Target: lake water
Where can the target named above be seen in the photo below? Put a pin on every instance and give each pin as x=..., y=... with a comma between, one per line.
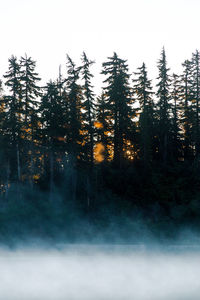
x=101, y=272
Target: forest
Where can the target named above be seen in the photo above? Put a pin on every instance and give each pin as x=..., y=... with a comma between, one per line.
x=79, y=165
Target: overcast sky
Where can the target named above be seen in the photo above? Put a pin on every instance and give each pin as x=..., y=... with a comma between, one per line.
x=136, y=29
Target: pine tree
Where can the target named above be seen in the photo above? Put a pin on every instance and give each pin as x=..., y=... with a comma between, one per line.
x=30, y=92
x=176, y=111
x=12, y=103
x=88, y=109
x=52, y=133
x=187, y=112
x=74, y=136
x=119, y=100
x=5, y=148
x=164, y=108
x=196, y=100
x=30, y=89
x=143, y=91
x=74, y=131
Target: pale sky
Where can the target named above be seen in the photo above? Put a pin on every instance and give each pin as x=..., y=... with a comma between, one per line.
x=136, y=29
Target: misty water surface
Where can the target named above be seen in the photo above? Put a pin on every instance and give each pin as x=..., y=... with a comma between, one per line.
x=100, y=273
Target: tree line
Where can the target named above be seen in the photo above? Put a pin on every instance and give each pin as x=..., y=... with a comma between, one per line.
x=62, y=132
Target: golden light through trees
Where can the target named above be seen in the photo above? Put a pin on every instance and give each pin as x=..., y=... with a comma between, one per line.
x=99, y=152
x=98, y=124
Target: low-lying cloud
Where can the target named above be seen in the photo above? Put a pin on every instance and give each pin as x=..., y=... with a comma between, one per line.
x=99, y=273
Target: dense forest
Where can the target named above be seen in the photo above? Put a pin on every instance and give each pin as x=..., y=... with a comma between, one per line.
x=77, y=164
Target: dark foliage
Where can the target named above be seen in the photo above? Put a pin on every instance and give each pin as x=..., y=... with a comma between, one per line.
x=74, y=165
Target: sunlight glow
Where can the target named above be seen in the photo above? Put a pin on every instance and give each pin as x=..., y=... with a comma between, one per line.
x=98, y=152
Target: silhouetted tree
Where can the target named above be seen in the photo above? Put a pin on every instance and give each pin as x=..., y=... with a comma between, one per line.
x=52, y=131
x=143, y=93
x=164, y=108
x=74, y=138
x=102, y=126
x=12, y=103
x=196, y=100
x=88, y=108
x=187, y=112
x=30, y=93
x=118, y=94
x=74, y=132
x=5, y=145
x=176, y=111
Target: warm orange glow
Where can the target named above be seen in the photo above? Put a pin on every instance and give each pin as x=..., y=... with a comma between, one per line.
x=36, y=176
x=98, y=152
x=2, y=107
x=107, y=133
x=61, y=139
x=83, y=132
x=98, y=124
x=28, y=130
x=129, y=150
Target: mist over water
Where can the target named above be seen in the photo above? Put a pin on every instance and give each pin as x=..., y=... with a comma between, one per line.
x=100, y=273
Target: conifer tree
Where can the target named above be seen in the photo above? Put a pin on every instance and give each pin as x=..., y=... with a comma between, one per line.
x=12, y=103
x=187, y=112
x=30, y=92
x=30, y=89
x=88, y=109
x=74, y=136
x=102, y=126
x=52, y=131
x=119, y=100
x=164, y=108
x=143, y=93
x=74, y=130
x=176, y=110
x=196, y=100
x=4, y=146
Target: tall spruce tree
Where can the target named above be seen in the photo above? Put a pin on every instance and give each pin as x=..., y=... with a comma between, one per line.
x=30, y=89
x=119, y=100
x=176, y=111
x=196, y=101
x=74, y=130
x=5, y=148
x=88, y=108
x=30, y=93
x=187, y=112
x=143, y=93
x=164, y=107
x=52, y=131
x=12, y=103
x=74, y=138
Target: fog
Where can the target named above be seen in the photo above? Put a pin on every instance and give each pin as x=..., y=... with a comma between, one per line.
x=100, y=273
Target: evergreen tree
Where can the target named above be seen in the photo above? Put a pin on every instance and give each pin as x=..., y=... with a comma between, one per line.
x=102, y=127
x=88, y=109
x=196, y=100
x=5, y=138
x=30, y=93
x=74, y=136
x=176, y=110
x=119, y=100
x=163, y=94
x=187, y=112
x=52, y=131
x=74, y=131
x=13, y=107
x=143, y=91
x=30, y=89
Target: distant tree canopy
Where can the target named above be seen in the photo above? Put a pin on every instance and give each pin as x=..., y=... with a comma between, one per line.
x=62, y=134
